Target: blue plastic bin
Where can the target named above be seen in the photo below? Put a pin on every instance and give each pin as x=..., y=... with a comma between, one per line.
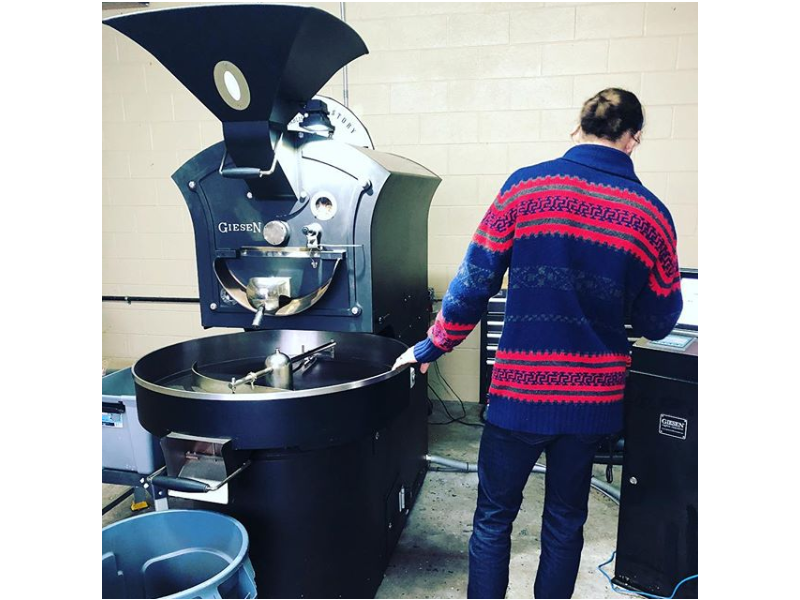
x=177, y=554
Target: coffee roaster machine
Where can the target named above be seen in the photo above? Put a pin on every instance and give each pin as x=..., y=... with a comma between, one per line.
x=317, y=248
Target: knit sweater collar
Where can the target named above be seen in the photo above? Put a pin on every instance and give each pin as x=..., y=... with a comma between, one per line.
x=603, y=158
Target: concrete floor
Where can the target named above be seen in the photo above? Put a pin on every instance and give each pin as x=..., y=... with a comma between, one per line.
x=431, y=559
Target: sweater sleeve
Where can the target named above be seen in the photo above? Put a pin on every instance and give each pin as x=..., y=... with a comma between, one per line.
x=657, y=308
x=479, y=277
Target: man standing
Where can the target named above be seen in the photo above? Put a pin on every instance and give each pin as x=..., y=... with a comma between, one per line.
x=588, y=248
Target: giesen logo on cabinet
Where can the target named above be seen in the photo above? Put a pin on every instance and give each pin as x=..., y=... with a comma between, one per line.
x=254, y=227
x=672, y=426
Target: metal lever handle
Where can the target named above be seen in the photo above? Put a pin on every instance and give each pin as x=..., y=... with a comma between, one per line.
x=249, y=172
x=181, y=484
x=185, y=484
x=242, y=172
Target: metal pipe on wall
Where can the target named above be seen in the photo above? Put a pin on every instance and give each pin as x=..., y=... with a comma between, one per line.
x=346, y=84
x=151, y=299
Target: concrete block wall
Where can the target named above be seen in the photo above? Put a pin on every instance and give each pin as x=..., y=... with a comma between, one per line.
x=471, y=90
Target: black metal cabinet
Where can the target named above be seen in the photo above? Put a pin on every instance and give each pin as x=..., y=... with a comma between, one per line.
x=491, y=328
x=657, y=537
x=657, y=541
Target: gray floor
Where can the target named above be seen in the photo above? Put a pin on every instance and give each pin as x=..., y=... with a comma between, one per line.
x=431, y=558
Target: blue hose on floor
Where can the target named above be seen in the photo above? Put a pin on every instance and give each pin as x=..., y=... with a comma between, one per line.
x=645, y=594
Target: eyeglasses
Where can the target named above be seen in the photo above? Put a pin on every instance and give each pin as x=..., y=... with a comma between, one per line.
x=638, y=139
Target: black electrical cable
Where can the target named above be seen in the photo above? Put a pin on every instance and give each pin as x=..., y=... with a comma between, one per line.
x=463, y=408
x=460, y=420
x=444, y=407
x=452, y=420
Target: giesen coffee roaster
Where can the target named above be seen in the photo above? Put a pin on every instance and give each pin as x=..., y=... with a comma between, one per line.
x=297, y=427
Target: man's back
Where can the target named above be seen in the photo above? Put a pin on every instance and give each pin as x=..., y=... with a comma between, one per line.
x=588, y=249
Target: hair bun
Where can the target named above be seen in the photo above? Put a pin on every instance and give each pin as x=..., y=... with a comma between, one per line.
x=610, y=113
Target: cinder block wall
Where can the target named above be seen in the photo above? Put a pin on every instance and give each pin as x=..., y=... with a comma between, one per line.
x=471, y=90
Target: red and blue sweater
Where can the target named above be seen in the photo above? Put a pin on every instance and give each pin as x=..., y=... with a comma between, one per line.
x=588, y=248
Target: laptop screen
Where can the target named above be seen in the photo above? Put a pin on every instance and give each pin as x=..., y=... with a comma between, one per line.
x=688, y=318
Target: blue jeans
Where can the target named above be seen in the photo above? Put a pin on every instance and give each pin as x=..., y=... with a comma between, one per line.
x=505, y=461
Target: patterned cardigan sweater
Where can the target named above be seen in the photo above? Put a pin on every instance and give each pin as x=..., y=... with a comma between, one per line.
x=588, y=248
